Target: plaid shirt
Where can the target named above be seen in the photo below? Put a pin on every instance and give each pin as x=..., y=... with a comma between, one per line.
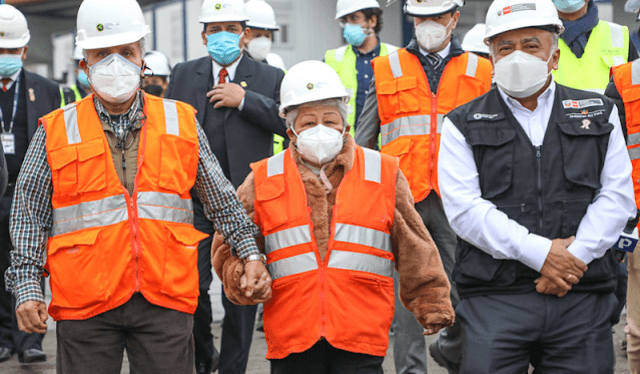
x=31, y=214
x=123, y=123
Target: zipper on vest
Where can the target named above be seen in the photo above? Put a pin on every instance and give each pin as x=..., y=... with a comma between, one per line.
x=433, y=137
x=539, y=178
x=124, y=170
x=323, y=299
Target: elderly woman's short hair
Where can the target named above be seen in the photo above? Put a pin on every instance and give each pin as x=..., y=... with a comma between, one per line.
x=342, y=107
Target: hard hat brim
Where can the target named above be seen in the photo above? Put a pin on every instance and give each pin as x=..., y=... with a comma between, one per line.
x=353, y=10
x=15, y=43
x=106, y=41
x=501, y=30
x=263, y=26
x=206, y=20
x=419, y=12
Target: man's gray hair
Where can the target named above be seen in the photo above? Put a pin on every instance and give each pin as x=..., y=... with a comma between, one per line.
x=342, y=107
x=141, y=42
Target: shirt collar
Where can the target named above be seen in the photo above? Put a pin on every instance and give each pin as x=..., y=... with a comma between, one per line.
x=544, y=100
x=231, y=69
x=130, y=114
x=13, y=78
x=374, y=52
x=444, y=53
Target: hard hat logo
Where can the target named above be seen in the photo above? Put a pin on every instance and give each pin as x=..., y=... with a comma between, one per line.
x=218, y=6
x=310, y=86
x=100, y=27
x=516, y=8
x=1, y=33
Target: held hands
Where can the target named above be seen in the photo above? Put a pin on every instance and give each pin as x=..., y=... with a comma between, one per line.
x=561, y=269
x=31, y=316
x=226, y=95
x=256, y=282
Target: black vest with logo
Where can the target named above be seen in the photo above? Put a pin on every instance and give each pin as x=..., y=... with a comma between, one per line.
x=546, y=189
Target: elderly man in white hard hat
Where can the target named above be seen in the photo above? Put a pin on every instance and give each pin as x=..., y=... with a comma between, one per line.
x=537, y=185
x=24, y=97
x=333, y=295
x=106, y=192
x=409, y=95
x=237, y=100
x=361, y=21
x=157, y=73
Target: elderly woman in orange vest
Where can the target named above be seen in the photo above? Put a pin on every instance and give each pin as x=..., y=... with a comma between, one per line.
x=335, y=220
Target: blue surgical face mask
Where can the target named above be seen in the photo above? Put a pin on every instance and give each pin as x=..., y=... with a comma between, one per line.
x=10, y=64
x=354, y=34
x=83, y=79
x=224, y=47
x=569, y=6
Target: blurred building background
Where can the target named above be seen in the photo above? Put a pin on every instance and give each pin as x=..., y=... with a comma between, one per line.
x=308, y=29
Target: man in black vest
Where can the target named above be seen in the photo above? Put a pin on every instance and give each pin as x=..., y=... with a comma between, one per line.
x=24, y=97
x=536, y=182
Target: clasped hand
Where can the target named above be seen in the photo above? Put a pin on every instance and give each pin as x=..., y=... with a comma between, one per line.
x=561, y=269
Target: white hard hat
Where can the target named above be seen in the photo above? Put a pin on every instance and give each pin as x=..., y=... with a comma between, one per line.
x=14, y=32
x=427, y=8
x=632, y=6
x=223, y=11
x=344, y=7
x=507, y=15
x=261, y=15
x=158, y=63
x=474, y=39
x=109, y=23
x=310, y=81
x=77, y=53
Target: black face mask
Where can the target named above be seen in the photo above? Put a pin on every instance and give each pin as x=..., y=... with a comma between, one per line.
x=153, y=89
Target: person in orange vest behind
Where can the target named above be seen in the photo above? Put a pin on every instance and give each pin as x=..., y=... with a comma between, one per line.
x=624, y=90
x=335, y=220
x=409, y=95
x=105, y=191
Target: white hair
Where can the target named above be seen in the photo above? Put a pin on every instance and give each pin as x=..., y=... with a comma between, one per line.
x=141, y=42
x=342, y=107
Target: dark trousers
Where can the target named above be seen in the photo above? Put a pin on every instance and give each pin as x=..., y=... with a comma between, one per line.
x=322, y=358
x=10, y=336
x=238, y=322
x=157, y=340
x=503, y=334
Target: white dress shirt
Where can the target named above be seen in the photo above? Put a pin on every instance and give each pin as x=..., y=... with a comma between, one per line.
x=13, y=79
x=231, y=74
x=480, y=223
x=444, y=53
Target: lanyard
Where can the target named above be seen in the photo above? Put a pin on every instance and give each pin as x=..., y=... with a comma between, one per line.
x=16, y=95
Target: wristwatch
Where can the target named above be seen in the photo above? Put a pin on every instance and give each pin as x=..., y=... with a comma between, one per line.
x=255, y=257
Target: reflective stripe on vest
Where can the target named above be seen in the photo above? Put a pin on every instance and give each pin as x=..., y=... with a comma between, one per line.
x=114, y=209
x=293, y=265
x=633, y=139
x=363, y=236
x=372, y=165
x=89, y=214
x=409, y=126
x=171, y=117
x=275, y=165
x=635, y=72
x=634, y=153
x=71, y=124
x=361, y=262
x=396, y=67
x=617, y=41
x=287, y=238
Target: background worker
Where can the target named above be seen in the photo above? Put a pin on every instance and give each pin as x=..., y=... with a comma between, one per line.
x=589, y=47
x=237, y=101
x=259, y=39
x=157, y=73
x=82, y=87
x=537, y=185
x=473, y=41
x=106, y=191
x=333, y=295
x=24, y=97
x=623, y=89
x=436, y=76
x=362, y=23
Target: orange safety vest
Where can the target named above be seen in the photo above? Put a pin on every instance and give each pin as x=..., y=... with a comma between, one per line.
x=411, y=116
x=348, y=298
x=105, y=244
x=627, y=81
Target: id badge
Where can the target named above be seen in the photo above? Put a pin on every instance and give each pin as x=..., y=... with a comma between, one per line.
x=8, y=143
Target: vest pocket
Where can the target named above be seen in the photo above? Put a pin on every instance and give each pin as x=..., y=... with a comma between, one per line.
x=399, y=94
x=179, y=169
x=475, y=267
x=493, y=150
x=180, y=275
x=64, y=170
x=268, y=197
x=629, y=96
x=78, y=269
x=92, y=166
x=584, y=147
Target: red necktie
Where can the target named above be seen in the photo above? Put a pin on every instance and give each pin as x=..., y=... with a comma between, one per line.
x=5, y=83
x=223, y=74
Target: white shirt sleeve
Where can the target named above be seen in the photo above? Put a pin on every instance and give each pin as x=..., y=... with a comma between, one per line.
x=614, y=203
x=475, y=219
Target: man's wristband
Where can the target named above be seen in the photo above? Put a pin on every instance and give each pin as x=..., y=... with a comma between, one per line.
x=256, y=257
